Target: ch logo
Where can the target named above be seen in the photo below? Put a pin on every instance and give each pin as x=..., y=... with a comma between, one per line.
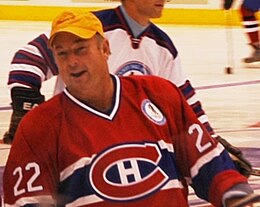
x=127, y=172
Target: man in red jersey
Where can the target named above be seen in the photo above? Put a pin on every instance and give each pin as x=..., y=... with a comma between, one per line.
x=138, y=47
x=110, y=141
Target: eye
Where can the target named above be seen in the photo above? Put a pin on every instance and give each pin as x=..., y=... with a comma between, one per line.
x=81, y=50
x=61, y=54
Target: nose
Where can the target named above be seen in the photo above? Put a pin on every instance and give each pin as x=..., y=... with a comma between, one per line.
x=73, y=60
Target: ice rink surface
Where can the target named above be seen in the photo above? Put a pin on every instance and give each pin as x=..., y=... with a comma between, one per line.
x=231, y=101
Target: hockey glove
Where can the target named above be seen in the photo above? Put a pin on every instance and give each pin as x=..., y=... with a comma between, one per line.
x=241, y=163
x=251, y=200
x=227, y=4
x=23, y=100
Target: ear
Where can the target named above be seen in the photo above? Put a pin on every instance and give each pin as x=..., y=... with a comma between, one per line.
x=106, y=48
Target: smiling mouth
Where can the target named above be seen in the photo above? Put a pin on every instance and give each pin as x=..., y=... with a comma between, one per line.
x=76, y=75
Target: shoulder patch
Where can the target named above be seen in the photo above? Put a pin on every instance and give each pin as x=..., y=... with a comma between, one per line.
x=152, y=112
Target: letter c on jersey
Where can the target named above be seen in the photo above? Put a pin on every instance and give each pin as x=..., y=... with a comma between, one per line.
x=111, y=170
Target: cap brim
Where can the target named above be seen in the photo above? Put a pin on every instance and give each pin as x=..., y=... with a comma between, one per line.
x=82, y=33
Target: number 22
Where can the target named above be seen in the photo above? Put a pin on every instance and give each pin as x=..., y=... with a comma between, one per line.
x=30, y=188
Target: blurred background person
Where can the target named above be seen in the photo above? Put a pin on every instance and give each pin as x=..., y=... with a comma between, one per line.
x=248, y=11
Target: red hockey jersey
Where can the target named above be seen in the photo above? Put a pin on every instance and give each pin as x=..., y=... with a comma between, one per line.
x=143, y=152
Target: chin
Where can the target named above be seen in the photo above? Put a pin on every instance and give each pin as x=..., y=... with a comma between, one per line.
x=156, y=16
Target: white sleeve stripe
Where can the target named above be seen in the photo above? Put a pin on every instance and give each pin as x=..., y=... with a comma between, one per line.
x=17, y=85
x=35, y=199
x=173, y=184
x=73, y=167
x=249, y=23
x=203, y=119
x=205, y=159
x=164, y=145
x=192, y=100
x=255, y=29
x=32, y=50
x=28, y=68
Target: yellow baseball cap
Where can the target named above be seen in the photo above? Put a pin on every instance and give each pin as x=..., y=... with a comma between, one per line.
x=82, y=24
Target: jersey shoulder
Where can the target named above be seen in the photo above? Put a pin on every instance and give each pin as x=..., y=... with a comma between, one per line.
x=154, y=85
x=110, y=18
x=161, y=38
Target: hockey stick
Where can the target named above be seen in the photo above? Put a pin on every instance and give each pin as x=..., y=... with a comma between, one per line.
x=229, y=41
x=242, y=164
x=250, y=170
x=239, y=157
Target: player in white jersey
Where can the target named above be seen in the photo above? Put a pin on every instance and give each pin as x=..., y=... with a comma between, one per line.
x=137, y=47
x=109, y=141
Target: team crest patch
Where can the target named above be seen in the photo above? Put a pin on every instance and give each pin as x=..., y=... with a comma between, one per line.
x=133, y=68
x=128, y=172
x=152, y=112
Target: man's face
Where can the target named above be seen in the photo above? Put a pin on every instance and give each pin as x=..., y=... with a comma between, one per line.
x=82, y=63
x=150, y=8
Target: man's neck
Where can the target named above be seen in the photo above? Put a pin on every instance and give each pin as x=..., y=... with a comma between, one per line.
x=135, y=27
x=135, y=16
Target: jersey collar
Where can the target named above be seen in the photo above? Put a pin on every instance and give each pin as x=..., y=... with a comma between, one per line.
x=114, y=108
